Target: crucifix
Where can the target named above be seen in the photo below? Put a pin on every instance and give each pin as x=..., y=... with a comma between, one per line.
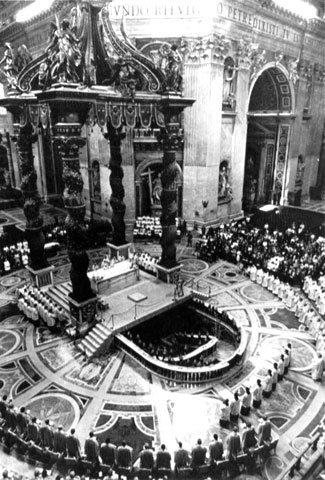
x=148, y=173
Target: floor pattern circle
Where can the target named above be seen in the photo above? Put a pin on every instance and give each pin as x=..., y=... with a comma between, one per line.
x=8, y=341
x=61, y=409
x=10, y=281
x=194, y=266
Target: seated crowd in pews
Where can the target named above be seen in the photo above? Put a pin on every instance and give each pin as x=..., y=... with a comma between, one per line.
x=41, y=440
x=13, y=257
x=290, y=255
x=149, y=228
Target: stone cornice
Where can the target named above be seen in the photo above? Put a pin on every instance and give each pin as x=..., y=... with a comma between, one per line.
x=313, y=25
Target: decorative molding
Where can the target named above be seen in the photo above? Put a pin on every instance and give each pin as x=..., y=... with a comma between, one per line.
x=212, y=48
x=292, y=66
x=249, y=57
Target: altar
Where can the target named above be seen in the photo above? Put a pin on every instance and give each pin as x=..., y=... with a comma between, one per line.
x=119, y=276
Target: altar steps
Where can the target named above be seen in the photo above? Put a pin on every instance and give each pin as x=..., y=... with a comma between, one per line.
x=59, y=293
x=97, y=341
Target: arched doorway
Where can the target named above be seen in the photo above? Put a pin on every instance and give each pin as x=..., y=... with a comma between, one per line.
x=148, y=188
x=268, y=133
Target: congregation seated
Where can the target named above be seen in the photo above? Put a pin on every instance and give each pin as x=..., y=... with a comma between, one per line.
x=149, y=228
x=291, y=255
x=13, y=256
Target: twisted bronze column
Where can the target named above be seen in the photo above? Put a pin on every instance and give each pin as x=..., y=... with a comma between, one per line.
x=77, y=237
x=115, y=137
x=32, y=201
x=171, y=140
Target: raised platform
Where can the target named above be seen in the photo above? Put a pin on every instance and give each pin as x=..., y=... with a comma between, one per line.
x=121, y=275
x=125, y=313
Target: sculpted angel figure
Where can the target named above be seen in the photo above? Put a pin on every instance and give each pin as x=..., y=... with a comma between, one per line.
x=8, y=66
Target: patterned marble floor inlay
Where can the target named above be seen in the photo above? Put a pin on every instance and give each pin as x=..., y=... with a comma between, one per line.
x=9, y=341
x=118, y=398
x=60, y=408
x=130, y=379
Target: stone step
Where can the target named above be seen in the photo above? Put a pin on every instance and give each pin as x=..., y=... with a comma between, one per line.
x=88, y=347
x=94, y=342
x=97, y=334
x=105, y=330
x=63, y=288
x=88, y=353
x=59, y=299
x=96, y=337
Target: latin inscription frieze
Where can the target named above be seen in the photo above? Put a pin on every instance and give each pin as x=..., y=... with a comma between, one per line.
x=257, y=23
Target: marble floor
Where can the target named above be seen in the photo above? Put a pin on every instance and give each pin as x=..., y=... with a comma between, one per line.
x=116, y=397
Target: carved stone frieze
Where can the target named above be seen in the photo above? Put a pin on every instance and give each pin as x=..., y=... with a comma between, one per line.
x=250, y=57
x=212, y=48
x=292, y=66
x=278, y=57
x=319, y=72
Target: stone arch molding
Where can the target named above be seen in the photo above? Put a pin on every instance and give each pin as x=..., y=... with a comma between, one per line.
x=284, y=71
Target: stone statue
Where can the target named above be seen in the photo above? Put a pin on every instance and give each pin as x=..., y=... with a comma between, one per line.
x=228, y=93
x=125, y=77
x=23, y=57
x=9, y=69
x=223, y=186
x=64, y=58
x=171, y=62
x=157, y=189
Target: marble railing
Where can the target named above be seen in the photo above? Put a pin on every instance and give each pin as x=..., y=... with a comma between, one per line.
x=183, y=374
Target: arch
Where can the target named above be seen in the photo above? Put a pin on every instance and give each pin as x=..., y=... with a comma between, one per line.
x=153, y=161
x=148, y=169
x=277, y=76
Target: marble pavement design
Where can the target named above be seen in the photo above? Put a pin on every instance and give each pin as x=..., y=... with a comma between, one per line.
x=115, y=396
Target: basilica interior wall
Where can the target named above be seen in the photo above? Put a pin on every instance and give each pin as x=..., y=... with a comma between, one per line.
x=212, y=134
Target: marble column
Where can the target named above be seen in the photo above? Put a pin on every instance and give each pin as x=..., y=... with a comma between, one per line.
x=203, y=80
x=69, y=142
x=115, y=137
x=32, y=201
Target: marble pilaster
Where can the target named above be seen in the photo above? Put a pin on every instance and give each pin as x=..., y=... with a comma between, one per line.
x=239, y=140
x=203, y=80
